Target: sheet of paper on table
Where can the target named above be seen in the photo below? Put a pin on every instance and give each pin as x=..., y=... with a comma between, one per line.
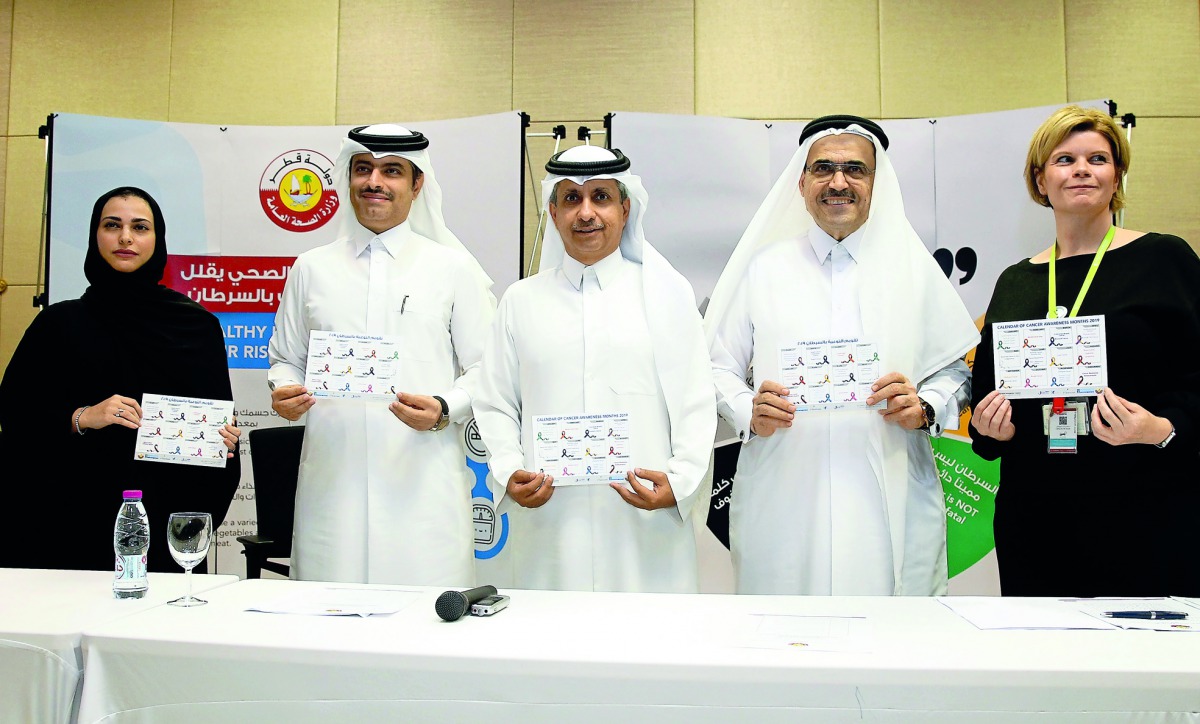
x=1192, y=602
x=333, y=601
x=1097, y=607
x=995, y=612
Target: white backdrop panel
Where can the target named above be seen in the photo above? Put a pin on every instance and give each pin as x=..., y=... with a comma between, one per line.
x=705, y=176
x=207, y=180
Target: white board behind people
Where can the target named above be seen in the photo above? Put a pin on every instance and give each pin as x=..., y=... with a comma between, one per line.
x=241, y=203
x=961, y=177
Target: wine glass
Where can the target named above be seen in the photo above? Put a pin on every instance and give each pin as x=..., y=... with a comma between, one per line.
x=189, y=535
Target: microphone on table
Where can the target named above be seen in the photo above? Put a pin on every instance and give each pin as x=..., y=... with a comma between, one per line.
x=453, y=605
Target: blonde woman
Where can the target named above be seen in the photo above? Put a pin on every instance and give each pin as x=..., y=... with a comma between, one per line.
x=1117, y=517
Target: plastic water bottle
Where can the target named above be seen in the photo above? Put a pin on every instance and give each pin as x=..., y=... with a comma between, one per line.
x=131, y=541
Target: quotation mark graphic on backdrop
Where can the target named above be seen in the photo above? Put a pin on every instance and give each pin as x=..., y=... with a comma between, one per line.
x=965, y=260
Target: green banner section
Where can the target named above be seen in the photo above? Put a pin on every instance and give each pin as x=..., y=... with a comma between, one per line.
x=969, y=484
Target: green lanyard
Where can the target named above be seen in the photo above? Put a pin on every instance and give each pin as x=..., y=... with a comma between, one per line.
x=1087, y=281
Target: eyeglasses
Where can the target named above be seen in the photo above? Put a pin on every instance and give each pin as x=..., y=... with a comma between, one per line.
x=825, y=170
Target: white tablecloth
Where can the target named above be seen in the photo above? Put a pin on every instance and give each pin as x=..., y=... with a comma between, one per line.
x=42, y=617
x=576, y=657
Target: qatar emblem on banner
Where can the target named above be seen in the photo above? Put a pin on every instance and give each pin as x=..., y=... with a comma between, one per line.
x=296, y=190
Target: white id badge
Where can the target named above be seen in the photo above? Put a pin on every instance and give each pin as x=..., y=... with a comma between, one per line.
x=1083, y=417
x=1063, y=437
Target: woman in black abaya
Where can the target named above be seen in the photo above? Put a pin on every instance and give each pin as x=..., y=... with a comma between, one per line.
x=70, y=400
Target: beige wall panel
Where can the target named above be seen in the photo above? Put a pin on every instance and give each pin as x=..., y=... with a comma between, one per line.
x=254, y=63
x=1144, y=54
x=427, y=60
x=1164, y=180
x=69, y=56
x=6, y=23
x=3, y=179
x=756, y=60
x=16, y=312
x=575, y=61
x=947, y=57
x=25, y=179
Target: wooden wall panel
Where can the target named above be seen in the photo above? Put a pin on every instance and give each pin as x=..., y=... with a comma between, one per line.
x=6, y=24
x=73, y=57
x=253, y=63
x=787, y=59
x=573, y=61
x=1145, y=54
x=23, y=190
x=429, y=60
x=1164, y=181
x=3, y=186
x=947, y=57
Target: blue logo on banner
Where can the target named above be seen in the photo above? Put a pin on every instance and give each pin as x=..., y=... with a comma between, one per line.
x=246, y=338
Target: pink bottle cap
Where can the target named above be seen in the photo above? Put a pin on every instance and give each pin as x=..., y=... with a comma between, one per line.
x=132, y=495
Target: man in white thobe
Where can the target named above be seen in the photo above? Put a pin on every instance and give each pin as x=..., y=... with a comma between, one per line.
x=845, y=502
x=606, y=326
x=384, y=492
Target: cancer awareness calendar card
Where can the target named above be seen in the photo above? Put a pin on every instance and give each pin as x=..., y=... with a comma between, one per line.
x=1050, y=357
x=582, y=449
x=352, y=366
x=833, y=374
x=183, y=430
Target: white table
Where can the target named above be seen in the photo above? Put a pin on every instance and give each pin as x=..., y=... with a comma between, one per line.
x=579, y=658
x=42, y=617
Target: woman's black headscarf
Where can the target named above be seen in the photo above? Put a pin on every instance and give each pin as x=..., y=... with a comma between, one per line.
x=100, y=273
x=157, y=317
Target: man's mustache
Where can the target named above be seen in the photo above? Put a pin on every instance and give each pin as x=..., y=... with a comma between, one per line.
x=839, y=194
x=377, y=190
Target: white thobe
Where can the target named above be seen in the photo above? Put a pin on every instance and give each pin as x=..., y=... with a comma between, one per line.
x=575, y=340
x=379, y=502
x=808, y=514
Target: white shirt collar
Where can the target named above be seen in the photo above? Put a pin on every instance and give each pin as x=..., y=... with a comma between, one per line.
x=822, y=243
x=392, y=238
x=606, y=269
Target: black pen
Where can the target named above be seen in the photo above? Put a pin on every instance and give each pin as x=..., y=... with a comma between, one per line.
x=1148, y=615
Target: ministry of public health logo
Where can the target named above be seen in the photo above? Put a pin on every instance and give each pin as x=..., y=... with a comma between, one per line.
x=296, y=190
x=473, y=442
